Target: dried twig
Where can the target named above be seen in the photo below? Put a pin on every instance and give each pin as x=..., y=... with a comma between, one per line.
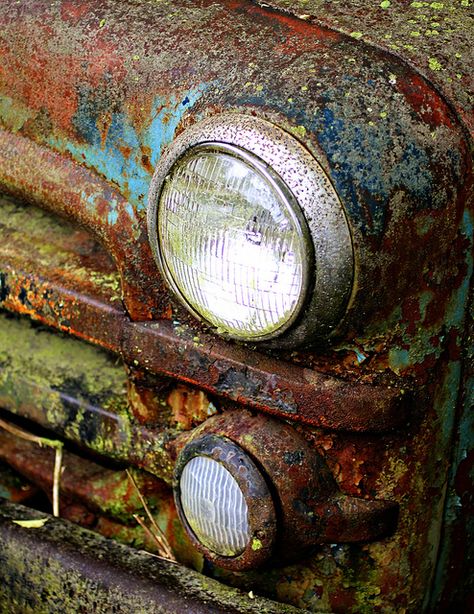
x=155, y=533
x=157, y=556
x=58, y=460
x=42, y=441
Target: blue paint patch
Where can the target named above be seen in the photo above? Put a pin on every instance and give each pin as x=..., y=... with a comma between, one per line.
x=118, y=155
x=467, y=226
x=165, y=120
x=90, y=200
x=457, y=305
x=356, y=154
x=112, y=216
x=369, y=163
x=446, y=409
x=399, y=359
x=129, y=209
x=360, y=356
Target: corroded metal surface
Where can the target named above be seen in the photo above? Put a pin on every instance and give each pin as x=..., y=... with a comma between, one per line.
x=453, y=585
x=436, y=37
x=77, y=391
x=87, y=109
x=394, y=467
x=105, y=491
x=72, y=190
x=384, y=135
x=96, y=497
x=57, y=273
x=13, y=487
x=262, y=382
x=60, y=276
x=312, y=510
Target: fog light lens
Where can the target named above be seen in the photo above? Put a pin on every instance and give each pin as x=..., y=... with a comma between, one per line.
x=214, y=506
x=233, y=241
x=224, y=502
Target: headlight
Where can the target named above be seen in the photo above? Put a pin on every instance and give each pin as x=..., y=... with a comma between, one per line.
x=233, y=241
x=224, y=502
x=214, y=506
x=247, y=229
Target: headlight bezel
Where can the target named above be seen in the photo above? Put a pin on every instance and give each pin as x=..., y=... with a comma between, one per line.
x=262, y=518
x=330, y=283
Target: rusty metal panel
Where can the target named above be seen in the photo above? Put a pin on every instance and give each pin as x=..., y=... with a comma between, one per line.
x=84, y=119
x=436, y=37
x=102, y=499
x=56, y=273
x=358, y=109
x=453, y=585
x=59, y=275
x=79, y=392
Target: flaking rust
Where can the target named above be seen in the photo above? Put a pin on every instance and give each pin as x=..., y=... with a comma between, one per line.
x=85, y=113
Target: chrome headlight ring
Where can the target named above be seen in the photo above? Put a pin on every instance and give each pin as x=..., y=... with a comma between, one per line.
x=313, y=205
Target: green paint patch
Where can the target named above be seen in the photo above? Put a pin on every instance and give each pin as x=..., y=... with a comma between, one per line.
x=256, y=544
x=357, y=35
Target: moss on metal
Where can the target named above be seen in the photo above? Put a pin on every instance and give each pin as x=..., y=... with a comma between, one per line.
x=436, y=37
x=48, y=239
x=59, y=567
x=77, y=390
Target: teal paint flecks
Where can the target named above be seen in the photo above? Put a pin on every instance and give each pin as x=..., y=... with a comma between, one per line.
x=360, y=356
x=457, y=305
x=105, y=155
x=399, y=359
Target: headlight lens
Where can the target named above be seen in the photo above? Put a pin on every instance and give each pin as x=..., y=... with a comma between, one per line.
x=224, y=502
x=214, y=506
x=233, y=241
